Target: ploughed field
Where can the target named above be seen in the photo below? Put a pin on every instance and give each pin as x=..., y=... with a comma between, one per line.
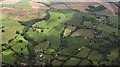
x=61, y=35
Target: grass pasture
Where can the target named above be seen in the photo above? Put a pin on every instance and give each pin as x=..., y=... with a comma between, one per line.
x=85, y=62
x=84, y=52
x=22, y=5
x=72, y=61
x=19, y=45
x=10, y=22
x=113, y=55
x=8, y=55
x=51, y=22
x=8, y=5
x=104, y=12
x=42, y=46
x=72, y=18
x=71, y=45
x=83, y=32
x=56, y=62
x=52, y=28
x=95, y=57
x=37, y=36
x=107, y=28
x=54, y=38
x=114, y=19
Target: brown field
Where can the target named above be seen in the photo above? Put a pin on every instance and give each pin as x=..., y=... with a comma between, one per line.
x=110, y=6
x=81, y=6
x=68, y=30
x=60, y=6
x=25, y=20
x=22, y=11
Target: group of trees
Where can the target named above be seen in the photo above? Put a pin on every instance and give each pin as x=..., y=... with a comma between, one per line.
x=92, y=8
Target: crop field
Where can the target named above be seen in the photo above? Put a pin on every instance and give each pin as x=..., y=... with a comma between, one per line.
x=60, y=33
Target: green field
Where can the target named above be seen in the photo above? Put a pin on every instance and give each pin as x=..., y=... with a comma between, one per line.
x=95, y=57
x=11, y=25
x=83, y=32
x=70, y=48
x=83, y=53
x=22, y=5
x=61, y=37
x=72, y=61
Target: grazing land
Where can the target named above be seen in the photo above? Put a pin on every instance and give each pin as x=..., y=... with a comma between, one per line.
x=60, y=33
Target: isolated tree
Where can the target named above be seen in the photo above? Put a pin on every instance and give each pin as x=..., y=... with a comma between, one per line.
x=17, y=32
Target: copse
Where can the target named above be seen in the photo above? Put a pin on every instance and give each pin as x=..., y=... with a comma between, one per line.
x=91, y=6
x=99, y=8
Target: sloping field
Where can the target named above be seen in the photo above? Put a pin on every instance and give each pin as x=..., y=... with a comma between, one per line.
x=22, y=11
x=12, y=3
x=112, y=7
x=82, y=32
x=81, y=6
x=60, y=6
x=9, y=21
x=38, y=5
x=68, y=30
x=9, y=2
x=25, y=20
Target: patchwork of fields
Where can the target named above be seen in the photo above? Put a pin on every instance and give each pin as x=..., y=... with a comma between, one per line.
x=50, y=33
